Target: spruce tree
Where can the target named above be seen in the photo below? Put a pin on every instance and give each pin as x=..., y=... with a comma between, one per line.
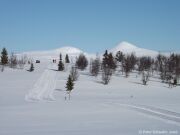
x=4, y=56
x=111, y=61
x=67, y=59
x=69, y=85
x=60, y=65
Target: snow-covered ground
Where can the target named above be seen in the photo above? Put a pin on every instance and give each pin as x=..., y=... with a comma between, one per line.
x=31, y=105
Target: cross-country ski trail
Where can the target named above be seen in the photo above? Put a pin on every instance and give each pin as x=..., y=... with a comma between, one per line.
x=44, y=87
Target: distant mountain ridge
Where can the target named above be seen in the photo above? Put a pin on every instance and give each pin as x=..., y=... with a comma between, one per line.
x=54, y=54
x=73, y=52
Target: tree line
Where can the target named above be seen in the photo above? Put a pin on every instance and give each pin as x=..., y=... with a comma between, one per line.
x=12, y=60
x=166, y=67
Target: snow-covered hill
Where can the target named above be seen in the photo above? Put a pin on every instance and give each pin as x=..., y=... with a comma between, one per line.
x=73, y=52
x=54, y=54
x=128, y=48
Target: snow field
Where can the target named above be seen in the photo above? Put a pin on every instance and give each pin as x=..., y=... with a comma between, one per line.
x=124, y=106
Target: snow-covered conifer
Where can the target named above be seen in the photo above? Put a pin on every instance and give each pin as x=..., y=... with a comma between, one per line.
x=69, y=85
x=67, y=59
x=4, y=56
x=60, y=65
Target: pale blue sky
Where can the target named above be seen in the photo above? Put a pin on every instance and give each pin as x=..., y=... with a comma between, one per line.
x=91, y=25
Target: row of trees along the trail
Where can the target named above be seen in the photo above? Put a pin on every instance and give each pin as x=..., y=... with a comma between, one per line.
x=61, y=64
x=73, y=76
x=168, y=67
x=81, y=62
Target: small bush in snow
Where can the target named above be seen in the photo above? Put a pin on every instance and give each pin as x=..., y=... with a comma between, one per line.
x=145, y=77
x=95, y=66
x=74, y=73
x=106, y=75
x=13, y=61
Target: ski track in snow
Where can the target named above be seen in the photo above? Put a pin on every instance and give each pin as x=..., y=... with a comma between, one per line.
x=44, y=87
x=153, y=111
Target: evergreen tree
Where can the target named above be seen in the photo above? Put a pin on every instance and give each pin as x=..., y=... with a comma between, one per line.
x=69, y=85
x=81, y=62
x=67, y=59
x=60, y=65
x=4, y=56
x=31, y=67
x=111, y=61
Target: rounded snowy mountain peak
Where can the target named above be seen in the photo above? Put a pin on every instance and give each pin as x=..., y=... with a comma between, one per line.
x=69, y=50
x=128, y=48
x=124, y=46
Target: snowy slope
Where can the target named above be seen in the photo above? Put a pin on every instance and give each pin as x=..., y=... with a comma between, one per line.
x=128, y=48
